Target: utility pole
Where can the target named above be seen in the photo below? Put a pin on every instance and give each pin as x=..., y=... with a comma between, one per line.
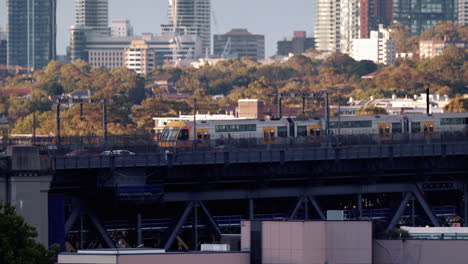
x=34, y=123
x=58, y=124
x=195, y=123
x=104, y=121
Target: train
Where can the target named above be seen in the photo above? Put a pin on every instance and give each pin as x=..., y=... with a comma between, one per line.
x=182, y=133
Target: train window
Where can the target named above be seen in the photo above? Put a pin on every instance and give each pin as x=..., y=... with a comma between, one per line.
x=282, y=131
x=172, y=133
x=302, y=131
x=453, y=121
x=236, y=128
x=415, y=127
x=351, y=124
x=183, y=135
x=396, y=128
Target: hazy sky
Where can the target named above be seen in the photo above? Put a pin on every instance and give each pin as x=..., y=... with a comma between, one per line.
x=276, y=19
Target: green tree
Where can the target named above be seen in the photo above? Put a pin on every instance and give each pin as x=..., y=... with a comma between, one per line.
x=370, y=110
x=17, y=240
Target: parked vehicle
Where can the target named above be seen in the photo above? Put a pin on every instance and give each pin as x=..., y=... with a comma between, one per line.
x=82, y=152
x=118, y=152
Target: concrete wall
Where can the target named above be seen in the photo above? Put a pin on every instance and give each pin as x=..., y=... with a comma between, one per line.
x=171, y=258
x=29, y=194
x=313, y=242
x=420, y=251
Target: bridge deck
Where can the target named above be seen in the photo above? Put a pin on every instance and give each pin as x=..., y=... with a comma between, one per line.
x=277, y=155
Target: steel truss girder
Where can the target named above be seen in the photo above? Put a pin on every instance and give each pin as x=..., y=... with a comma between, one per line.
x=192, y=205
x=304, y=202
x=80, y=209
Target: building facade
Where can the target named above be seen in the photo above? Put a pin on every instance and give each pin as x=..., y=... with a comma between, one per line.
x=349, y=24
x=373, y=13
x=121, y=28
x=190, y=17
x=327, y=28
x=462, y=12
x=93, y=15
x=115, y=52
x=3, y=47
x=298, y=44
x=421, y=15
x=242, y=42
x=139, y=57
x=433, y=48
x=31, y=32
x=379, y=48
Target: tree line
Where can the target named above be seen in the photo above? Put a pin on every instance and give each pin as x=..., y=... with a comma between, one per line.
x=132, y=103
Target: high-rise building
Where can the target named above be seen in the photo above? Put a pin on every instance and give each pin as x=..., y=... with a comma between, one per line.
x=298, y=44
x=121, y=28
x=462, y=12
x=349, y=24
x=327, y=28
x=190, y=17
x=421, y=15
x=378, y=48
x=3, y=47
x=92, y=14
x=31, y=32
x=241, y=42
x=373, y=13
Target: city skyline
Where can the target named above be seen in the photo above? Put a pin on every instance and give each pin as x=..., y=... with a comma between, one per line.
x=274, y=19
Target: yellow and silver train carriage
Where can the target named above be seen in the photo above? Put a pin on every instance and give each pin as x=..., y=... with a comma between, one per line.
x=180, y=134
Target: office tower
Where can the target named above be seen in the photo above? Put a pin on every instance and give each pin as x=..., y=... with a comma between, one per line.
x=421, y=15
x=298, y=44
x=190, y=17
x=3, y=47
x=327, y=28
x=349, y=24
x=240, y=42
x=31, y=32
x=378, y=48
x=121, y=28
x=93, y=15
x=462, y=12
x=373, y=13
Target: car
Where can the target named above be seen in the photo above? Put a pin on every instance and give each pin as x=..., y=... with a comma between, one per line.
x=118, y=152
x=82, y=152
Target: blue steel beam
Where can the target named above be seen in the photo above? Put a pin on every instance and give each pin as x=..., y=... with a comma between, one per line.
x=399, y=212
x=211, y=221
x=296, y=208
x=179, y=225
x=317, y=207
x=286, y=192
x=425, y=206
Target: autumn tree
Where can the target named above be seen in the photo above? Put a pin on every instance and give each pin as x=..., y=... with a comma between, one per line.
x=370, y=110
x=457, y=105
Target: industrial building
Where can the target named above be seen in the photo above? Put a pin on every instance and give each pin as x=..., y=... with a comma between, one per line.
x=241, y=43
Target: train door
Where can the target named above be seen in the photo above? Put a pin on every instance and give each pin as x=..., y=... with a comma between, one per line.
x=203, y=137
x=269, y=135
x=384, y=131
x=315, y=132
x=428, y=129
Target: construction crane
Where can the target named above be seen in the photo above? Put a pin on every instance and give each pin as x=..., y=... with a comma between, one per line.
x=227, y=49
